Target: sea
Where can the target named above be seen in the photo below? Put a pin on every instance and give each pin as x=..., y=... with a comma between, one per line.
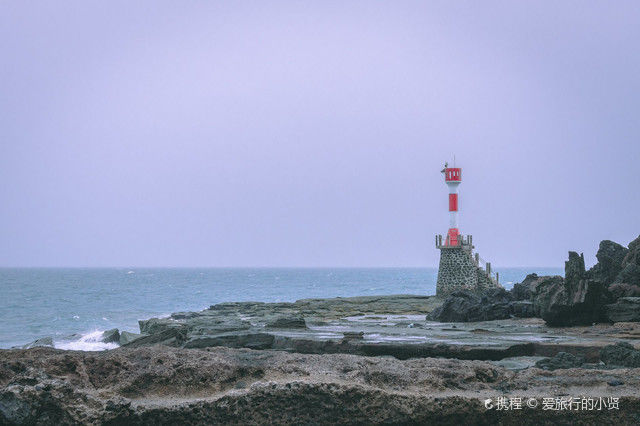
x=74, y=306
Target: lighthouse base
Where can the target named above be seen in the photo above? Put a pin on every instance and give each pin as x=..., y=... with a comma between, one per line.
x=458, y=270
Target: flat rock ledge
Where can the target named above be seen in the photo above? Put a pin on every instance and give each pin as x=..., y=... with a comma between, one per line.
x=395, y=326
x=164, y=385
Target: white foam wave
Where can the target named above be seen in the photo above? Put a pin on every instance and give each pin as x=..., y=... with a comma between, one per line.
x=87, y=342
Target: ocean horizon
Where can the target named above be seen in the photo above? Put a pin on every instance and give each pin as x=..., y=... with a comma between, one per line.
x=74, y=306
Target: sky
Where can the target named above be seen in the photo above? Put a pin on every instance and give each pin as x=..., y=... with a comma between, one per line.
x=292, y=133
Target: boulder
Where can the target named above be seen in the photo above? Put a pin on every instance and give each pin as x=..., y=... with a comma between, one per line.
x=468, y=306
x=42, y=342
x=561, y=360
x=625, y=309
x=292, y=321
x=127, y=337
x=621, y=354
x=110, y=336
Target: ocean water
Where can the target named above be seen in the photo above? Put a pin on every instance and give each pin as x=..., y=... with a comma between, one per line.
x=74, y=305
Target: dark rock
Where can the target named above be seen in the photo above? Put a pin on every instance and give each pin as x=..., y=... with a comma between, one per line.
x=615, y=382
x=455, y=308
x=541, y=292
x=526, y=289
x=576, y=300
x=232, y=340
x=574, y=303
x=574, y=267
x=467, y=306
x=288, y=322
x=110, y=336
x=610, y=257
x=619, y=290
x=174, y=336
x=522, y=309
x=621, y=354
x=630, y=274
x=353, y=335
x=561, y=360
x=625, y=309
x=127, y=337
x=42, y=342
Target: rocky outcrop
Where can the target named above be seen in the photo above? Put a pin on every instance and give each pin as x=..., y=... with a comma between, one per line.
x=162, y=385
x=576, y=300
x=581, y=296
x=624, y=309
x=621, y=354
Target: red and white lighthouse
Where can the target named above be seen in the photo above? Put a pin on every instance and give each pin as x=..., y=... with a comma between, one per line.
x=453, y=177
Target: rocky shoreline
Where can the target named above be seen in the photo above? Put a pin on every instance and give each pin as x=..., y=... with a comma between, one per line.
x=386, y=359
x=164, y=385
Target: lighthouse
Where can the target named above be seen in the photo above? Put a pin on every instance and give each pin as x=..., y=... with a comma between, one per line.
x=459, y=268
x=453, y=178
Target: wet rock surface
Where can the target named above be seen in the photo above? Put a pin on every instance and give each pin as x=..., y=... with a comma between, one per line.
x=394, y=326
x=164, y=385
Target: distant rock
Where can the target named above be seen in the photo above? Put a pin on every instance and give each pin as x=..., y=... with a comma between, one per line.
x=232, y=340
x=110, y=336
x=561, y=360
x=291, y=321
x=526, y=289
x=353, y=335
x=173, y=336
x=624, y=309
x=42, y=342
x=127, y=337
x=621, y=354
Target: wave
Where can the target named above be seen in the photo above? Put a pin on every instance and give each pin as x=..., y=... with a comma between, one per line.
x=87, y=342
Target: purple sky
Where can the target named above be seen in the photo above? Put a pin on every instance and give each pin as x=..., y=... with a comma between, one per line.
x=312, y=134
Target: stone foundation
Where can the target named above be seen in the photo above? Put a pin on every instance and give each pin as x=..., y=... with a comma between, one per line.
x=458, y=270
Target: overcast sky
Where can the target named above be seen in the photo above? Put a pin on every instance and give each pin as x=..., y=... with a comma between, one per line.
x=153, y=133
